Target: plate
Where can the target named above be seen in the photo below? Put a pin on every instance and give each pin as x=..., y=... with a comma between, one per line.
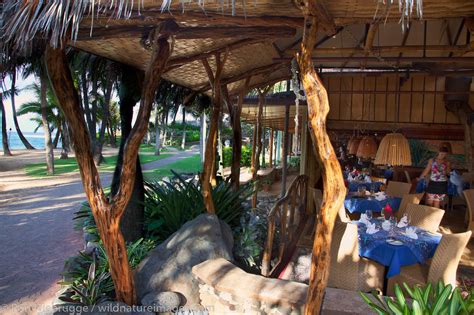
x=394, y=242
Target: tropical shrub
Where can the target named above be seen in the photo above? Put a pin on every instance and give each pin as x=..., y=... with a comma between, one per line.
x=249, y=239
x=245, y=160
x=169, y=205
x=294, y=161
x=420, y=152
x=440, y=299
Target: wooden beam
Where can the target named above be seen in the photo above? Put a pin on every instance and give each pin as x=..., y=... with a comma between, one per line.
x=470, y=28
x=153, y=16
x=375, y=59
x=369, y=40
x=386, y=49
x=187, y=32
x=180, y=61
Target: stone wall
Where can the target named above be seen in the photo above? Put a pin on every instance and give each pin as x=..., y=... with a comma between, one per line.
x=226, y=289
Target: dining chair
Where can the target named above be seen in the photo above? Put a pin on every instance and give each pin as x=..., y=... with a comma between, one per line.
x=406, y=200
x=469, y=195
x=443, y=266
x=425, y=217
x=398, y=189
x=348, y=270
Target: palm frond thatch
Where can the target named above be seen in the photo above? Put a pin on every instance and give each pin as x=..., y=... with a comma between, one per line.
x=57, y=20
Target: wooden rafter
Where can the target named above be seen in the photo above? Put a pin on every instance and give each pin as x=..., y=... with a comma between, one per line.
x=467, y=60
x=369, y=39
x=404, y=40
x=188, y=32
x=470, y=28
x=318, y=7
x=387, y=49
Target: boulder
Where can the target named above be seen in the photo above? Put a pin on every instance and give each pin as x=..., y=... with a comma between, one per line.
x=163, y=301
x=168, y=266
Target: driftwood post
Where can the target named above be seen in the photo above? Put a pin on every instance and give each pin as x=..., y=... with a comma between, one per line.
x=318, y=108
x=107, y=211
x=210, y=154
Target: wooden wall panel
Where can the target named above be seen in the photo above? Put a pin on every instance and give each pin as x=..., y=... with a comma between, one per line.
x=440, y=111
x=381, y=85
x=417, y=102
x=429, y=100
x=405, y=101
x=346, y=98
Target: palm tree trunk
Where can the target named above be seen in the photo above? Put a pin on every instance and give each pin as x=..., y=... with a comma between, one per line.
x=157, y=132
x=56, y=137
x=98, y=157
x=25, y=141
x=48, y=146
x=6, y=149
x=66, y=143
x=183, y=141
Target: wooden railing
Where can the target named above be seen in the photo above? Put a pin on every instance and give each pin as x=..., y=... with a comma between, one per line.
x=289, y=216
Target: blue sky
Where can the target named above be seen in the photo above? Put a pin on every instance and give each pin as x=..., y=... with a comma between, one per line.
x=23, y=96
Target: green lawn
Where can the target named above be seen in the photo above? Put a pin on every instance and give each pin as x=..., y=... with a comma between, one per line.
x=191, y=164
x=70, y=165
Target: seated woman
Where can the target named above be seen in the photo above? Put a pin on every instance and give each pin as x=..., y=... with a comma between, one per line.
x=438, y=168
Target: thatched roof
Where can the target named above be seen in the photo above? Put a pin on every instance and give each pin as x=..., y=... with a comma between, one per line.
x=261, y=36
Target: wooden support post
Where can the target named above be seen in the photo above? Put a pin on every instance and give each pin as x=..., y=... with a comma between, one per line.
x=270, y=149
x=203, y=136
x=263, y=148
x=284, y=158
x=107, y=211
x=334, y=190
x=210, y=154
x=304, y=145
x=278, y=148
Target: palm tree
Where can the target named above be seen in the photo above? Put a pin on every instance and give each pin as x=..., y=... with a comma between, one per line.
x=6, y=149
x=13, y=92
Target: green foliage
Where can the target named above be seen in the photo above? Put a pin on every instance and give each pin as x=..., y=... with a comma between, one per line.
x=94, y=289
x=249, y=239
x=294, y=161
x=429, y=299
x=169, y=205
x=245, y=160
x=420, y=152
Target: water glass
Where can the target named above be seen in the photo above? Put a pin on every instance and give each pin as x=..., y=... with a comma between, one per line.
x=407, y=217
x=369, y=215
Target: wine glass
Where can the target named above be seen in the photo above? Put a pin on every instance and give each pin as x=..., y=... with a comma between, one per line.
x=382, y=213
x=407, y=216
x=368, y=213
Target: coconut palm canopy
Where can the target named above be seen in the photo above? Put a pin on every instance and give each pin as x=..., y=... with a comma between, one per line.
x=261, y=36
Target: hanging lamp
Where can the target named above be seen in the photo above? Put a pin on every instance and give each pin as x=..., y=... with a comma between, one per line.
x=393, y=150
x=367, y=148
x=353, y=146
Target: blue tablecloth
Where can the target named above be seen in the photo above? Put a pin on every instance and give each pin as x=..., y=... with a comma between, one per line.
x=452, y=189
x=354, y=186
x=360, y=205
x=375, y=247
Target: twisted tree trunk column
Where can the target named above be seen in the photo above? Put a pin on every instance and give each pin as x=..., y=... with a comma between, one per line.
x=108, y=211
x=334, y=190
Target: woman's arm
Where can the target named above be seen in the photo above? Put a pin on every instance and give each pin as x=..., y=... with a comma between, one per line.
x=426, y=170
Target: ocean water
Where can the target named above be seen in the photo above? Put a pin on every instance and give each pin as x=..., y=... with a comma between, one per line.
x=35, y=138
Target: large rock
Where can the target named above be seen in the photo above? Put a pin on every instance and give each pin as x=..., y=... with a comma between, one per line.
x=168, y=266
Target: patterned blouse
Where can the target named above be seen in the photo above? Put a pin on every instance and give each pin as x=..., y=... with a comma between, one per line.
x=438, y=171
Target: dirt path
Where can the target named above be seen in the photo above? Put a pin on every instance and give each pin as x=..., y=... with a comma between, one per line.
x=36, y=232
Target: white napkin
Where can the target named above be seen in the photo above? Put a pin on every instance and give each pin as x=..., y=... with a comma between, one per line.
x=371, y=228
x=368, y=179
x=403, y=222
x=411, y=232
x=380, y=196
x=363, y=219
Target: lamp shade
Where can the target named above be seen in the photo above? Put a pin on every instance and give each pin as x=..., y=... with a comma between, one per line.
x=394, y=150
x=367, y=148
x=353, y=146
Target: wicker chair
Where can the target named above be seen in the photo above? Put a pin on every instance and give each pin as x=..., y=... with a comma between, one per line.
x=469, y=195
x=398, y=189
x=425, y=217
x=378, y=179
x=348, y=270
x=443, y=266
x=406, y=200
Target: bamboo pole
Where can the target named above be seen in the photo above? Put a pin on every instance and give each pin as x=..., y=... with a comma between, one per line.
x=108, y=211
x=270, y=150
x=334, y=191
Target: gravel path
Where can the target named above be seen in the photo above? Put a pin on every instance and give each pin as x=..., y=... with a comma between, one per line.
x=36, y=234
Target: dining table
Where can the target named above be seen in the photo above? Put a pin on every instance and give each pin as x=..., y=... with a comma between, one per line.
x=360, y=204
x=356, y=185
x=394, y=248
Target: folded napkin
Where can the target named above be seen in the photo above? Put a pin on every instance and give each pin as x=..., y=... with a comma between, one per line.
x=371, y=229
x=403, y=222
x=363, y=219
x=368, y=179
x=380, y=196
x=411, y=232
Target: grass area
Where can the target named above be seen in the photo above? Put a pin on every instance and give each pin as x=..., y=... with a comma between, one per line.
x=191, y=164
x=70, y=165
